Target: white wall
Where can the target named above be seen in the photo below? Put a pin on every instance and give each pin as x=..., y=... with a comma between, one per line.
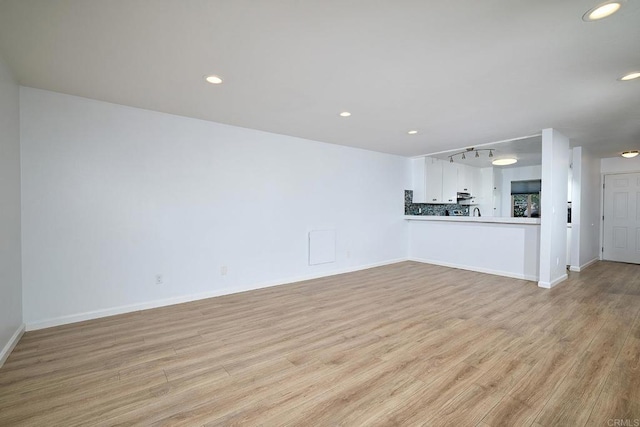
x=506, y=176
x=553, y=229
x=619, y=165
x=590, y=198
x=575, y=196
x=10, y=258
x=114, y=195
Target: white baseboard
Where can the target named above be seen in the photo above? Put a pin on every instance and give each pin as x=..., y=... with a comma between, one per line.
x=477, y=269
x=549, y=285
x=8, y=348
x=96, y=314
x=583, y=266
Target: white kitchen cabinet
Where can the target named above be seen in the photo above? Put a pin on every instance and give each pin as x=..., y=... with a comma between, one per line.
x=463, y=178
x=469, y=179
x=418, y=180
x=475, y=181
x=433, y=180
x=449, y=182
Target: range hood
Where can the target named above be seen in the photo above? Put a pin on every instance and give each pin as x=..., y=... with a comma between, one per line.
x=465, y=199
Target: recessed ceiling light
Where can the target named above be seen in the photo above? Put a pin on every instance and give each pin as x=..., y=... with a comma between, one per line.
x=602, y=11
x=213, y=79
x=412, y=132
x=630, y=76
x=630, y=154
x=345, y=114
x=504, y=162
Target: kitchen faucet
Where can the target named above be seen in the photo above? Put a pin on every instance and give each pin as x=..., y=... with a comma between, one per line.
x=474, y=211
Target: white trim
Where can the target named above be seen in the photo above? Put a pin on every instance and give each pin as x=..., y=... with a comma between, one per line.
x=549, y=285
x=476, y=269
x=13, y=341
x=96, y=314
x=583, y=266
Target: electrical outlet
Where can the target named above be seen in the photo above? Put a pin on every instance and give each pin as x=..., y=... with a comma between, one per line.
x=159, y=279
x=223, y=270
x=348, y=254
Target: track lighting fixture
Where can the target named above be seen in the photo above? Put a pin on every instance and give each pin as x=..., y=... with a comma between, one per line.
x=463, y=155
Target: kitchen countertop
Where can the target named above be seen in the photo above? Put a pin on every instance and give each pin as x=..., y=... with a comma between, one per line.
x=480, y=219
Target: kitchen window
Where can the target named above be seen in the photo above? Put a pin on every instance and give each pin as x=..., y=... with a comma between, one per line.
x=525, y=198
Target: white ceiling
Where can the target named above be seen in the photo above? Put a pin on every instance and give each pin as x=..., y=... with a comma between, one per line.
x=463, y=72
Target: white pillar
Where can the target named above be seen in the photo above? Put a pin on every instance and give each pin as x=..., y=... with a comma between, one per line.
x=576, y=207
x=553, y=211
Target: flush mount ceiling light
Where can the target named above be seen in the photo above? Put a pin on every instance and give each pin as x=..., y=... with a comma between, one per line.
x=504, y=162
x=345, y=114
x=602, y=10
x=213, y=79
x=630, y=76
x=630, y=154
x=412, y=132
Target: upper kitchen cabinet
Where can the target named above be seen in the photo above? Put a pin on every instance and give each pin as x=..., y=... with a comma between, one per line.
x=418, y=180
x=441, y=180
x=449, y=182
x=475, y=181
x=468, y=177
x=463, y=179
x=433, y=180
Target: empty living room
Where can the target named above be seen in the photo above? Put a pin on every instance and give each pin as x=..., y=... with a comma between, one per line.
x=319, y=213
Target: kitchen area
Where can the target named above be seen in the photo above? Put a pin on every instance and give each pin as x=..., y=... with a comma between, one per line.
x=478, y=208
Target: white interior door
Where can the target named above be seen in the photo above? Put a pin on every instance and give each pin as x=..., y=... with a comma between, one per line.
x=622, y=218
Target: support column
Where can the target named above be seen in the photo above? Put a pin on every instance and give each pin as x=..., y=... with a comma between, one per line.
x=553, y=212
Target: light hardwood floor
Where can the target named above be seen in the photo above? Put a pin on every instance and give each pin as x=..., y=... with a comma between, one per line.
x=405, y=344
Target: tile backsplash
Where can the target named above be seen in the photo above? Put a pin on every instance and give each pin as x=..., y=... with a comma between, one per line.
x=411, y=208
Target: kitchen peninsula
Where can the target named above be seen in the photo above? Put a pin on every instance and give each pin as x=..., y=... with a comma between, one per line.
x=496, y=245
x=443, y=230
